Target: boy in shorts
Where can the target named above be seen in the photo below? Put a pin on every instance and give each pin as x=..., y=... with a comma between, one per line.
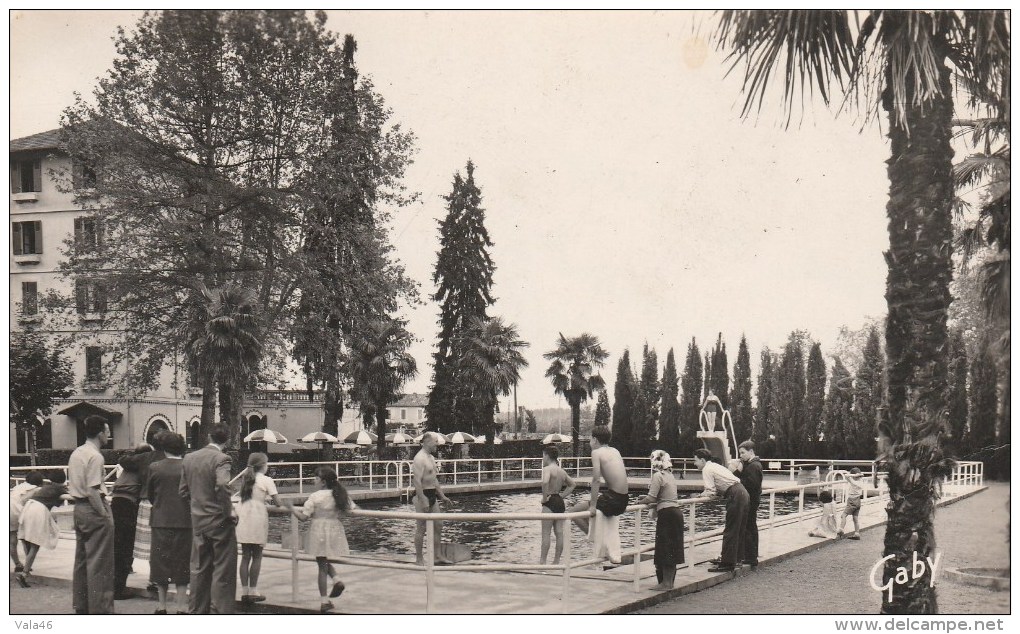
x=854, y=489
x=556, y=485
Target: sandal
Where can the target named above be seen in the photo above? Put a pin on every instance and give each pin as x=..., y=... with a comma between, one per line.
x=23, y=580
x=325, y=607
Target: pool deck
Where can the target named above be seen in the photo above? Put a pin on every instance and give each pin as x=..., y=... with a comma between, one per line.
x=592, y=590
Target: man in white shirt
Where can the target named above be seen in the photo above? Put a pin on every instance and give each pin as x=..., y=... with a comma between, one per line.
x=720, y=482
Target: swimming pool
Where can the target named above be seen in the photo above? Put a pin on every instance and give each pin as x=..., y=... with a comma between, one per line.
x=508, y=540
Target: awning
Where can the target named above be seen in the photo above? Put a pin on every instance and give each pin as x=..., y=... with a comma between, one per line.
x=83, y=409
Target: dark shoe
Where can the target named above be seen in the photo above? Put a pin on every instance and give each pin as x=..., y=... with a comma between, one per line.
x=326, y=607
x=22, y=580
x=752, y=564
x=19, y=568
x=256, y=597
x=160, y=612
x=338, y=589
x=721, y=568
x=716, y=561
x=854, y=536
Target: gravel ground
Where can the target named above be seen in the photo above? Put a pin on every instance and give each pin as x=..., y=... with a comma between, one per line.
x=834, y=579
x=971, y=533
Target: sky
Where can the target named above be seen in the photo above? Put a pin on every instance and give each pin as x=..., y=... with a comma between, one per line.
x=624, y=194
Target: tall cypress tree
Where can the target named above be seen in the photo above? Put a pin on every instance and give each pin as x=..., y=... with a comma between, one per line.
x=957, y=399
x=463, y=279
x=603, y=413
x=838, y=410
x=868, y=395
x=721, y=373
x=690, y=399
x=763, y=421
x=669, y=410
x=646, y=409
x=741, y=408
x=814, y=399
x=983, y=376
x=789, y=398
x=624, y=393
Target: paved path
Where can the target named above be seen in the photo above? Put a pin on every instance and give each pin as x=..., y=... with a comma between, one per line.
x=971, y=533
x=591, y=590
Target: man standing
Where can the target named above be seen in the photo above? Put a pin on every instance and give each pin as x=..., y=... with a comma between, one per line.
x=124, y=506
x=204, y=482
x=93, y=523
x=719, y=481
x=426, y=496
x=607, y=465
x=556, y=485
x=142, y=462
x=750, y=473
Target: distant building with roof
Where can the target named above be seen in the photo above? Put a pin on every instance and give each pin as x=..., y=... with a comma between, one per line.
x=43, y=219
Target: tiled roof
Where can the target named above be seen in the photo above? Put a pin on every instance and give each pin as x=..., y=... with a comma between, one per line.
x=48, y=140
x=411, y=400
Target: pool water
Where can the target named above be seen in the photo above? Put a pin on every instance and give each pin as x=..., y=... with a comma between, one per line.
x=508, y=540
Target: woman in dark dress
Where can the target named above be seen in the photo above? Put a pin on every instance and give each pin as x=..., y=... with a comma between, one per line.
x=669, y=520
x=170, y=520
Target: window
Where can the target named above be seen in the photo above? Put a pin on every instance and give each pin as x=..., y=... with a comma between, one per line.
x=387, y=414
x=90, y=297
x=29, y=298
x=93, y=364
x=27, y=237
x=88, y=233
x=403, y=414
x=83, y=175
x=26, y=176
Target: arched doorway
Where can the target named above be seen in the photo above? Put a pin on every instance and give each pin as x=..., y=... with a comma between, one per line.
x=255, y=422
x=194, y=434
x=155, y=426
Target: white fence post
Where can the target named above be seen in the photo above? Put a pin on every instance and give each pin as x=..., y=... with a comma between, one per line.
x=430, y=562
x=637, y=551
x=295, y=533
x=772, y=520
x=566, y=565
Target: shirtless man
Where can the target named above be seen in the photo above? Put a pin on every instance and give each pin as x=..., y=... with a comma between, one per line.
x=426, y=496
x=556, y=485
x=607, y=465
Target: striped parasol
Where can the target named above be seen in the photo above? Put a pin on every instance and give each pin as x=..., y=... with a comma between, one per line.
x=440, y=439
x=555, y=438
x=266, y=435
x=496, y=440
x=319, y=436
x=361, y=437
x=399, y=438
x=460, y=438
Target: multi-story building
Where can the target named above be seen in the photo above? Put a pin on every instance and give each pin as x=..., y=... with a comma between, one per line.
x=408, y=412
x=44, y=222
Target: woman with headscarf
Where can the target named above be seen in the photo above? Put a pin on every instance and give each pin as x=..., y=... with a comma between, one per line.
x=669, y=522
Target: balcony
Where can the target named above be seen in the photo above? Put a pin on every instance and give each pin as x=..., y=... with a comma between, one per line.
x=25, y=197
x=195, y=391
x=93, y=386
x=28, y=258
x=91, y=317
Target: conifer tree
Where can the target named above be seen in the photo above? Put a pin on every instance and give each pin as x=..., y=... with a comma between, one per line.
x=868, y=394
x=957, y=399
x=741, y=408
x=983, y=376
x=814, y=399
x=838, y=410
x=603, y=413
x=720, y=373
x=669, y=410
x=763, y=421
x=789, y=397
x=624, y=392
x=463, y=279
x=646, y=413
x=690, y=399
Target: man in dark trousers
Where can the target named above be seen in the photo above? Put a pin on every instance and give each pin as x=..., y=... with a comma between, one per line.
x=750, y=474
x=720, y=482
x=204, y=482
x=128, y=490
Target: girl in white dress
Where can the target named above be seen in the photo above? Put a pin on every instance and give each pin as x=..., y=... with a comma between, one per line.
x=326, y=537
x=253, y=523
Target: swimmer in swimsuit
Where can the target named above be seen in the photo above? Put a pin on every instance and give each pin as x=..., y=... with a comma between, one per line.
x=556, y=484
x=427, y=495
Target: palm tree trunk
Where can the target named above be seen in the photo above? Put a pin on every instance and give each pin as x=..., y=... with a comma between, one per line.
x=575, y=425
x=380, y=426
x=208, y=409
x=917, y=343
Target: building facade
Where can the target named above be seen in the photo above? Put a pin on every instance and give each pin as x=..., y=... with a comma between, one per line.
x=45, y=222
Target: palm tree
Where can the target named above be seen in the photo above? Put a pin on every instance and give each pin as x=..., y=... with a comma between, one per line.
x=226, y=346
x=899, y=60
x=574, y=374
x=380, y=365
x=492, y=363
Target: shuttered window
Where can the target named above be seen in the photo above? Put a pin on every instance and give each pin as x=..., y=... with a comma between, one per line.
x=88, y=233
x=27, y=237
x=90, y=297
x=29, y=298
x=93, y=364
x=26, y=176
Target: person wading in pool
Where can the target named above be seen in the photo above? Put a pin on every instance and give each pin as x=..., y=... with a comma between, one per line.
x=427, y=495
x=556, y=485
x=606, y=465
